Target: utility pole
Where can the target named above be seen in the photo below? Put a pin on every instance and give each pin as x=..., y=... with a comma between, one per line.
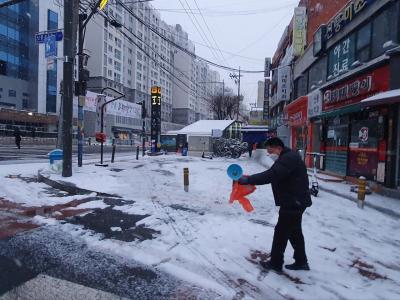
x=71, y=10
x=238, y=105
x=237, y=78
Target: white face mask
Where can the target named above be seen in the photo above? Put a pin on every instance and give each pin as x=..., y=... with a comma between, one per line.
x=274, y=156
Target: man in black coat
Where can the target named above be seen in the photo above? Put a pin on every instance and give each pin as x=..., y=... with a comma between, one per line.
x=290, y=186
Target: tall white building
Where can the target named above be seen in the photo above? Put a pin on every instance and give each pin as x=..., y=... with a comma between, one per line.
x=132, y=64
x=260, y=94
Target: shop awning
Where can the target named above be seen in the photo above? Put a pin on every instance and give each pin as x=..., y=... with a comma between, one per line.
x=388, y=97
x=342, y=111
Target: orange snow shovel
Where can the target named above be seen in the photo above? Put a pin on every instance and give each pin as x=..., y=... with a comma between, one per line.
x=239, y=193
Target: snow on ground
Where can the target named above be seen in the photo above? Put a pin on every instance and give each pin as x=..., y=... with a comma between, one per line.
x=353, y=253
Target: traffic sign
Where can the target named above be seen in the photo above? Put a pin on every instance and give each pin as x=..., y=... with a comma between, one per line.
x=40, y=37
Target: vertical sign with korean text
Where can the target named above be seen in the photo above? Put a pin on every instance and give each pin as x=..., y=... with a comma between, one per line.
x=155, y=117
x=284, y=88
x=299, y=30
x=314, y=103
x=267, y=67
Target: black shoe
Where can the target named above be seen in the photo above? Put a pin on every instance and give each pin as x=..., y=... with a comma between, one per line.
x=297, y=267
x=268, y=266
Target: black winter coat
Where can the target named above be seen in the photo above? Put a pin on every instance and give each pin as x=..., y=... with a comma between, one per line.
x=289, y=180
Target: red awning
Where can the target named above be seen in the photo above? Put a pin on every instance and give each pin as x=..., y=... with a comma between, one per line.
x=389, y=97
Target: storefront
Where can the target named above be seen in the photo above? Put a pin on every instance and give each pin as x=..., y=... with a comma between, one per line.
x=297, y=121
x=354, y=137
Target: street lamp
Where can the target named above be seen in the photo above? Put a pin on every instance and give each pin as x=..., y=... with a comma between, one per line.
x=102, y=122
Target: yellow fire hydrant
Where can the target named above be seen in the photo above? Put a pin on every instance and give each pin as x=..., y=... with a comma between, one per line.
x=362, y=186
x=186, y=179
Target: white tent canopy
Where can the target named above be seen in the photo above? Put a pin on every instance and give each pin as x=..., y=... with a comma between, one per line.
x=203, y=127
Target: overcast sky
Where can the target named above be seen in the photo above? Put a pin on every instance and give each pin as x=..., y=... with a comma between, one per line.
x=249, y=28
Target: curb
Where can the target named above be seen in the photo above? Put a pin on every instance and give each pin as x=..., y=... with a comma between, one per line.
x=353, y=199
x=69, y=187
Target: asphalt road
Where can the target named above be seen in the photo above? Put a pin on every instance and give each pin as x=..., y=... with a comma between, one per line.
x=38, y=153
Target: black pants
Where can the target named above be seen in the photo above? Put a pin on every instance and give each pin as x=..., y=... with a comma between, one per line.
x=18, y=143
x=288, y=228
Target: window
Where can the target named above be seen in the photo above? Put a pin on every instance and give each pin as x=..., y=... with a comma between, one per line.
x=105, y=34
x=138, y=76
x=118, y=42
x=363, y=43
x=117, y=66
x=105, y=71
x=117, y=77
x=139, y=66
x=109, y=73
x=24, y=103
x=384, y=30
x=52, y=20
x=110, y=36
x=317, y=74
x=105, y=59
x=110, y=61
x=12, y=93
x=110, y=48
x=117, y=54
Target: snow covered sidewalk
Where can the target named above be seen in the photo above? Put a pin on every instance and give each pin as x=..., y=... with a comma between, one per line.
x=202, y=239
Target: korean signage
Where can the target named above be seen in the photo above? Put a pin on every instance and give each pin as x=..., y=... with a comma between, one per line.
x=314, y=103
x=345, y=16
x=41, y=37
x=357, y=89
x=100, y=101
x=284, y=87
x=341, y=57
x=118, y=108
x=299, y=30
x=297, y=111
x=155, y=117
x=267, y=67
x=363, y=163
x=267, y=84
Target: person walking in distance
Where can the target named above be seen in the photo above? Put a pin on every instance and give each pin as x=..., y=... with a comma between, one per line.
x=289, y=179
x=17, y=136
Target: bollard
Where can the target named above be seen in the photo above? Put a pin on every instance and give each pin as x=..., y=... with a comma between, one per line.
x=113, y=153
x=186, y=179
x=137, y=153
x=362, y=185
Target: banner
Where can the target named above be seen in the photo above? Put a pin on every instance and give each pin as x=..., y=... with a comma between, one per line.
x=118, y=108
x=100, y=99
x=284, y=88
x=299, y=30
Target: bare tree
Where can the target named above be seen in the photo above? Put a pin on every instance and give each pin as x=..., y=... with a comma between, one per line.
x=224, y=107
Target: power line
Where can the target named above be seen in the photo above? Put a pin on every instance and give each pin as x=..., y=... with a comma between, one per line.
x=201, y=31
x=209, y=30
x=181, y=48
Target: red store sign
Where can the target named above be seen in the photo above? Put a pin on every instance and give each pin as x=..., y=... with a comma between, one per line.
x=357, y=89
x=297, y=112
